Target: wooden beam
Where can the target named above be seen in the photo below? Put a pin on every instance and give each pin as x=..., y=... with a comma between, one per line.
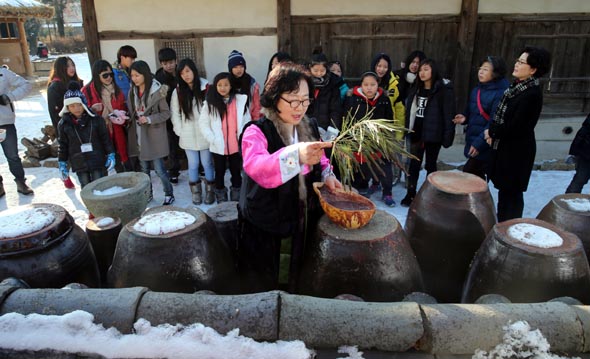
x=301, y=20
x=24, y=47
x=374, y=37
x=553, y=36
x=465, y=45
x=284, y=25
x=186, y=34
x=91, y=31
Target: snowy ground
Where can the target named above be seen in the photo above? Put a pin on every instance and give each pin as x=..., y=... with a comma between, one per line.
x=32, y=116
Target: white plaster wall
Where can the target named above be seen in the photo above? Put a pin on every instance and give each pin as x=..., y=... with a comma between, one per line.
x=145, y=51
x=157, y=15
x=375, y=7
x=257, y=51
x=533, y=6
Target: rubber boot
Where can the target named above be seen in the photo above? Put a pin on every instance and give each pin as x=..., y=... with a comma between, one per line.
x=197, y=192
x=22, y=187
x=234, y=194
x=221, y=195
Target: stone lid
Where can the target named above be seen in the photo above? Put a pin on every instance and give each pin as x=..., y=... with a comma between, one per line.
x=457, y=182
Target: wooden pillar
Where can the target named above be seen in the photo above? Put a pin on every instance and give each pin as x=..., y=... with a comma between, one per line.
x=91, y=30
x=284, y=25
x=465, y=44
x=24, y=47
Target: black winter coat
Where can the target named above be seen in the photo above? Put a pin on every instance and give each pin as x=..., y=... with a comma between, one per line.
x=326, y=106
x=438, y=126
x=581, y=143
x=69, y=142
x=55, y=99
x=513, y=157
x=359, y=106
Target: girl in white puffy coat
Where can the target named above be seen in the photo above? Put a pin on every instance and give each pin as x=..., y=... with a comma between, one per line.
x=186, y=104
x=222, y=118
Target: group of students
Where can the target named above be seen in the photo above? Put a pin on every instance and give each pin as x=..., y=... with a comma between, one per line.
x=134, y=120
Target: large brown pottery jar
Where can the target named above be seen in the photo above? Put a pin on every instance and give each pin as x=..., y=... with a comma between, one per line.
x=447, y=222
x=103, y=233
x=570, y=212
x=528, y=260
x=188, y=259
x=374, y=262
x=49, y=250
x=125, y=205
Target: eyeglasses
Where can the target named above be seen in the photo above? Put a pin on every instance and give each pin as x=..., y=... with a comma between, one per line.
x=106, y=75
x=520, y=62
x=296, y=103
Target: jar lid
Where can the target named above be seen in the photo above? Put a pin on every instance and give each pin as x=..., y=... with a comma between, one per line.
x=33, y=226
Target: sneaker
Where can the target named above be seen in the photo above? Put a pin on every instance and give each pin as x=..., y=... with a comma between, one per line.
x=174, y=179
x=374, y=188
x=69, y=184
x=168, y=200
x=388, y=200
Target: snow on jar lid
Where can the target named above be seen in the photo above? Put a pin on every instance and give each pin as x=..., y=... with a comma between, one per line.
x=33, y=226
x=20, y=221
x=577, y=204
x=164, y=222
x=534, y=235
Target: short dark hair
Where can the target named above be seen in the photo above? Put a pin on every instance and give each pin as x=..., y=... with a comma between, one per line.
x=539, y=59
x=498, y=64
x=166, y=54
x=127, y=51
x=284, y=78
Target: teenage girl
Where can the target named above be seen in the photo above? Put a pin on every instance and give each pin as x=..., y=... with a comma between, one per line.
x=222, y=118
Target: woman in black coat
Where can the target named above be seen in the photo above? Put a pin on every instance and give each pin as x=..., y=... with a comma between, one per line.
x=512, y=133
x=580, y=148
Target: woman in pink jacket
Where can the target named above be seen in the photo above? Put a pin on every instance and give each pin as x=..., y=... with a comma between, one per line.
x=282, y=156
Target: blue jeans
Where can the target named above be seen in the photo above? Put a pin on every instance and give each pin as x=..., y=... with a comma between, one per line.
x=581, y=177
x=85, y=177
x=10, y=148
x=160, y=171
x=194, y=158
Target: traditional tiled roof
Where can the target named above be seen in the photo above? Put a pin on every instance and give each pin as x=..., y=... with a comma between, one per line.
x=25, y=8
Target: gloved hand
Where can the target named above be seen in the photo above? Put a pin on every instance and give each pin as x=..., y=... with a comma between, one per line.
x=110, y=163
x=118, y=117
x=63, y=169
x=4, y=100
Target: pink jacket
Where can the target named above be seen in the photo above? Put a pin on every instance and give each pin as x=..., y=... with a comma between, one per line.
x=272, y=170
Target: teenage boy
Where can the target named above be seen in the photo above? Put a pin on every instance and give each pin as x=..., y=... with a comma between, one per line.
x=125, y=57
x=167, y=75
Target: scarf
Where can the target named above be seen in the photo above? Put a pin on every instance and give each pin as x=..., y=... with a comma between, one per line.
x=106, y=94
x=515, y=89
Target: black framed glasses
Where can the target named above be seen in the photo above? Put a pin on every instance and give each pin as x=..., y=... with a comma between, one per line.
x=106, y=75
x=296, y=103
x=520, y=62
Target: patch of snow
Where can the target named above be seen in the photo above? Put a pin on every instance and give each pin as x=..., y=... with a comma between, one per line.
x=519, y=341
x=164, y=222
x=105, y=222
x=352, y=351
x=76, y=332
x=23, y=220
x=578, y=204
x=534, y=235
x=110, y=191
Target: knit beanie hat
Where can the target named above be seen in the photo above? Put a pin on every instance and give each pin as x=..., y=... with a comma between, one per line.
x=74, y=95
x=234, y=59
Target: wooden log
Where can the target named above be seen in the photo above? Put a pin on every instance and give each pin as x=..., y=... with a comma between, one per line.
x=284, y=25
x=465, y=45
x=187, y=34
x=24, y=46
x=91, y=30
